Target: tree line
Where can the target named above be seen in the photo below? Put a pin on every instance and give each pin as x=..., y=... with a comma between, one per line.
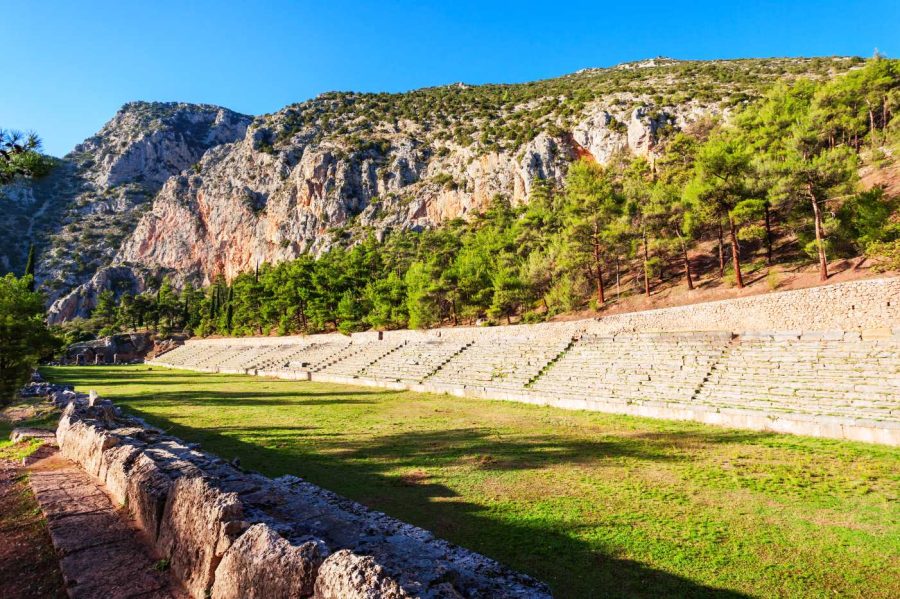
x=783, y=168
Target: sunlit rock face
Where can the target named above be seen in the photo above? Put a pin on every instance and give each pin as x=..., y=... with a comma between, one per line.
x=249, y=202
x=82, y=212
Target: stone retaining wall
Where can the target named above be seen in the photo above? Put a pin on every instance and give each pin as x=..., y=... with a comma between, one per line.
x=857, y=305
x=231, y=534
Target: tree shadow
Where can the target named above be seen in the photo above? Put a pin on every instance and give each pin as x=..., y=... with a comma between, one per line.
x=366, y=471
x=396, y=473
x=236, y=399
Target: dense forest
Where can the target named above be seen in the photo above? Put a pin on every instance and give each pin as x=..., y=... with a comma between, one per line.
x=786, y=166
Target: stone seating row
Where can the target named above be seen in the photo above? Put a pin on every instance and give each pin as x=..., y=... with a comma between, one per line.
x=665, y=367
x=500, y=363
x=415, y=362
x=355, y=358
x=859, y=378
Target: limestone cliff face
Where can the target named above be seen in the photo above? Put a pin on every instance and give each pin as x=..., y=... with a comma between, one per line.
x=250, y=202
x=149, y=142
x=81, y=213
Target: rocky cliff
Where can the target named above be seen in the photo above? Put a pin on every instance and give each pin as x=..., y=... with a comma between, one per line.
x=82, y=212
x=343, y=165
x=228, y=193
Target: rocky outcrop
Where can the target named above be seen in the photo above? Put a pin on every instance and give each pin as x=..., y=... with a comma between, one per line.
x=230, y=534
x=148, y=142
x=83, y=299
x=79, y=215
x=122, y=348
x=246, y=206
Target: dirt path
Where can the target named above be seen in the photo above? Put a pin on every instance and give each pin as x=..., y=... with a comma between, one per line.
x=102, y=555
x=29, y=568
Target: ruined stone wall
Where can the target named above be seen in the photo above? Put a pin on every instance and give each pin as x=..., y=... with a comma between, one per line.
x=232, y=534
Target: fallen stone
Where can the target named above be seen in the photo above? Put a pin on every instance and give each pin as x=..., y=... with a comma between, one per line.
x=27, y=434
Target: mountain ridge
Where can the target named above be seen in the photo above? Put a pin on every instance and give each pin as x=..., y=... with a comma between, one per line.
x=149, y=195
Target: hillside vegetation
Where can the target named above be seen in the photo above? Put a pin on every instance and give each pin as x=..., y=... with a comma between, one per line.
x=777, y=181
x=506, y=117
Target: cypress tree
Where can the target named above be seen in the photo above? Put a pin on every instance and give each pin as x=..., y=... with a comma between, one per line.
x=29, y=267
x=229, y=309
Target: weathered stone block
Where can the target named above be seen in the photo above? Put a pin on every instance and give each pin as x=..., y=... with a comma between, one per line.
x=260, y=565
x=114, y=470
x=83, y=443
x=345, y=575
x=147, y=489
x=196, y=530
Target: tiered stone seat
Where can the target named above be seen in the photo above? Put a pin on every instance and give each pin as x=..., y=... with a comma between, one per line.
x=352, y=360
x=503, y=363
x=836, y=374
x=313, y=356
x=242, y=360
x=415, y=361
x=176, y=355
x=629, y=368
x=219, y=354
x=195, y=355
x=277, y=357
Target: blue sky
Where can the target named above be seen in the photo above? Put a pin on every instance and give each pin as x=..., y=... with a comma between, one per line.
x=68, y=66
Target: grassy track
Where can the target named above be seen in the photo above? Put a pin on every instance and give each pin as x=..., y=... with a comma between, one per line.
x=595, y=505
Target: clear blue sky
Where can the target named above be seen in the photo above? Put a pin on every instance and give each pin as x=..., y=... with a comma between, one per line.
x=67, y=66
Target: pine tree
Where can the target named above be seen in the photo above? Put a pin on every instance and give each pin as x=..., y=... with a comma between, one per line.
x=719, y=189
x=592, y=204
x=229, y=310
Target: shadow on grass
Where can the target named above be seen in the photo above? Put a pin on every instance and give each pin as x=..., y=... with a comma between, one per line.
x=366, y=470
x=236, y=399
x=548, y=550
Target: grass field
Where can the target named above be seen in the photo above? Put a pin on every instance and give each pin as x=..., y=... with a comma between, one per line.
x=595, y=505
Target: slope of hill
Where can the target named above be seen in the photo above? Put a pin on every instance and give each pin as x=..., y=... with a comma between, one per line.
x=81, y=213
x=197, y=191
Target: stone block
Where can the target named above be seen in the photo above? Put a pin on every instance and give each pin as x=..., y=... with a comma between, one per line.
x=198, y=525
x=147, y=489
x=345, y=575
x=260, y=564
x=115, y=466
x=84, y=443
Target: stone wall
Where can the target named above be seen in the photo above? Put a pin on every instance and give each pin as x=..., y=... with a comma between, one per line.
x=857, y=305
x=231, y=534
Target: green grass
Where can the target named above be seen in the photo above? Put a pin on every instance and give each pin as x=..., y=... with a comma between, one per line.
x=36, y=415
x=593, y=504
